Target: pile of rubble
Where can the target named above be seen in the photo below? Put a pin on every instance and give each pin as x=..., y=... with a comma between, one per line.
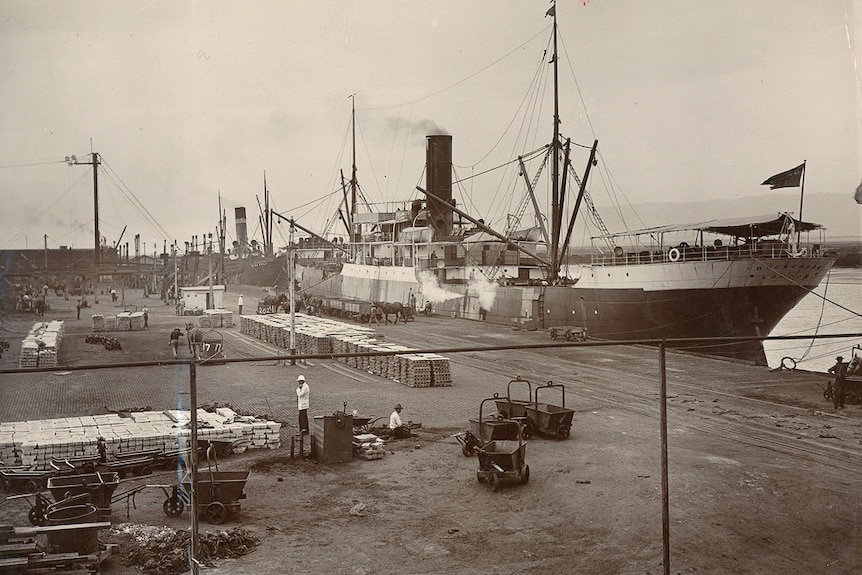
x=164, y=551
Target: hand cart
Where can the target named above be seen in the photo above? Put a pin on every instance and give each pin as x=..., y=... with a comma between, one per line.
x=99, y=486
x=504, y=459
x=549, y=419
x=483, y=430
x=217, y=492
x=513, y=408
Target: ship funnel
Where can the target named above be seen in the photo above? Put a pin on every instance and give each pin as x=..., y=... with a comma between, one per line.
x=438, y=181
x=241, y=230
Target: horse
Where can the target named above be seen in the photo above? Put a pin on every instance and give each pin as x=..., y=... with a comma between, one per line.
x=195, y=335
x=396, y=308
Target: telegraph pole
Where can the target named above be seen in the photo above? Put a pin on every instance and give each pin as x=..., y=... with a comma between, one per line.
x=94, y=161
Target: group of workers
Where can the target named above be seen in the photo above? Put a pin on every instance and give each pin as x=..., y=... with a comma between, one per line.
x=397, y=428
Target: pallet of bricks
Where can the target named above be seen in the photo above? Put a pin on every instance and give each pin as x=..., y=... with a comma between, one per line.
x=368, y=446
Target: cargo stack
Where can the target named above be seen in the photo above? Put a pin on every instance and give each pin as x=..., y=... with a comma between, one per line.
x=368, y=446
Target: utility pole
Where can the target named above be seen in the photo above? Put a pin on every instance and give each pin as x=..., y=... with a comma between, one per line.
x=176, y=272
x=292, y=293
x=94, y=161
x=46, y=251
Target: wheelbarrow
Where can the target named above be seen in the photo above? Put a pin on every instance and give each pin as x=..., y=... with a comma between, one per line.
x=555, y=420
x=217, y=493
x=504, y=459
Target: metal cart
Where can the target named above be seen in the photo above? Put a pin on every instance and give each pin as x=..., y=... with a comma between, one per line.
x=504, y=459
x=547, y=418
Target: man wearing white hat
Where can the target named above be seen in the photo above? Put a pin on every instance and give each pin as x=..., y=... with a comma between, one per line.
x=302, y=392
x=396, y=428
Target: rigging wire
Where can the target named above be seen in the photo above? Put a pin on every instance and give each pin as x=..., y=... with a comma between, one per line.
x=461, y=81
x=48, y=207
x=133, y=199
x=30, y=164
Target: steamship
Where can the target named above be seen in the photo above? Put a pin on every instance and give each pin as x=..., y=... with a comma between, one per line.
x=694, y=282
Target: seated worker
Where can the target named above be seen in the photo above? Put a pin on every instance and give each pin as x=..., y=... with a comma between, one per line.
x=397, y=429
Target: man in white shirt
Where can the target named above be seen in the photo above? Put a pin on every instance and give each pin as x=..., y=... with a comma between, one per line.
x=396, y=428
x=302, y=392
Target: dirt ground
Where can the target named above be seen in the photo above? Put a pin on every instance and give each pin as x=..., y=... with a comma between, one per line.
x=762, y=478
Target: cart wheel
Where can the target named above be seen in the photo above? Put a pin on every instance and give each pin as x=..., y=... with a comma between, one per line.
x=495, y=481
x=480, y=477
x=525, y=475
x=467, y=450
x=89, y=468
x=5, y=485
x=216, y=513
x=553, y=333
x=527, y=432
x=31, y=487
x=563, y=432
x=827, y=393
x=851, y=397
x=36, y=517
x=173, y=507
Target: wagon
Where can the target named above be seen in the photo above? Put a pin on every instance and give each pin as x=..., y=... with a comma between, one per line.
x=504, y=459
x=569, y=332
x=514, y=408
x=17, y=479
x=547, y=418
x=212, y=348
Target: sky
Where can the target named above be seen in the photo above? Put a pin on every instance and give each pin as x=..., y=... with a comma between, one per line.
x=187, y=102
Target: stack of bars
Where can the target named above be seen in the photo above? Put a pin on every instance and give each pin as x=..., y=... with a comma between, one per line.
x=41, y=345
x=136, y=321
x=104, y=323
x=316, y=335
x=124, y=321
x=368, y=446
x=415, y=370
x=35, y=444
x=217, y=318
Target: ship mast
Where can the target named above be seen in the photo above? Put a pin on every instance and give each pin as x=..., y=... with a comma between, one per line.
x=353, y=163
x=555, y=152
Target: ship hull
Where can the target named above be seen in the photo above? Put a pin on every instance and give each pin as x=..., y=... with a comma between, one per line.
x=692, y=300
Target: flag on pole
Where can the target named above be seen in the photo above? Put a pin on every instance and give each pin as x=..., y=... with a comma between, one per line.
x=858, y=195
x=788, y=179
x=552, y=11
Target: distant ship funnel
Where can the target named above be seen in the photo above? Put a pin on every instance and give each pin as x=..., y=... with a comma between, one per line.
x=438, y=181
x=241, y=230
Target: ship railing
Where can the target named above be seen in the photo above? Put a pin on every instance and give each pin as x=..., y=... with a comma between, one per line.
x=684, y=253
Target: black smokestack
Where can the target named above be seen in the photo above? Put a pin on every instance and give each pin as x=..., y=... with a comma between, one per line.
x=438, y=181
x=241, y=230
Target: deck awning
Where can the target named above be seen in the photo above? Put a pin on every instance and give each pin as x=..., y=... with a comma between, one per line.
x=751, y=227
